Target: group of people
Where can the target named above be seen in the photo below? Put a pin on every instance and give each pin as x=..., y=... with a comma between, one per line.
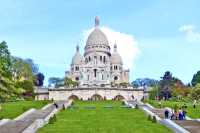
x=178, y=114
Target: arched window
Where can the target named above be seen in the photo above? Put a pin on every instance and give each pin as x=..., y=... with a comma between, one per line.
x=102, y=77
x=115, y=78
x=77, y=68
x=104, y=59
x=89, y=58
x=111, y=68
x=77, y=78
x=100, y=58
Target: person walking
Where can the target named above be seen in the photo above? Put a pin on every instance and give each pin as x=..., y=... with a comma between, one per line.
x=172, y=114
x=166, y=114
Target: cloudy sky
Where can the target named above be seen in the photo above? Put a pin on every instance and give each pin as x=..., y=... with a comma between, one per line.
x=152, y=36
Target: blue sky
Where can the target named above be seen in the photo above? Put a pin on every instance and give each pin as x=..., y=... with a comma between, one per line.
x=167, y=32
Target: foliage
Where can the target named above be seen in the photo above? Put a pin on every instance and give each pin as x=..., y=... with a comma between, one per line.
x=53, y=119
x=195, y=94
x=39, y=79
x=54, y=81
x=21, y=70
x=70, y=83
x=149, y=118
x=16, y=75
x=5, y=59
x=179, y=92
x=144, y=82
x=34, y=67
x=154, y=92
x=196, y=79
x=154, y=119
x=166, y=84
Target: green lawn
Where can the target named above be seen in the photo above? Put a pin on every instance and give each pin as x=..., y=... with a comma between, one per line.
x=191, y=112
x=13, y=109
x=83, y=119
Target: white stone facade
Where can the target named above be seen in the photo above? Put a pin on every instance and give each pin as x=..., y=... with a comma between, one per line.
x=98, y=93
x=98, y=66
x=99, y=73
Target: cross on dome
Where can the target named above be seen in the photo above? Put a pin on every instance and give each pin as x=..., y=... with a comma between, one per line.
x=97, y=21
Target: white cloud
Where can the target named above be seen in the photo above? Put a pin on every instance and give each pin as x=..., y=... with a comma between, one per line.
x=127, y=45
x=191, y=34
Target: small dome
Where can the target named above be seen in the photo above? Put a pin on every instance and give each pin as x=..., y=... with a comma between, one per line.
x=77, y=59
x=115, y=57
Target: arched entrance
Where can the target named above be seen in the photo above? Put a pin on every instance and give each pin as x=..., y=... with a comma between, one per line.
x=119, y=97
x=73, y=97
x=96, y=97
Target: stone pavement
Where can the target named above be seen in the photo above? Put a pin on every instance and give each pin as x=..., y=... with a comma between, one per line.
x=193, y=126
x=18, y=126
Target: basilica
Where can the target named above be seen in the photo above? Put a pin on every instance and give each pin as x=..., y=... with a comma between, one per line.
x=98, y=66
x=99, y=73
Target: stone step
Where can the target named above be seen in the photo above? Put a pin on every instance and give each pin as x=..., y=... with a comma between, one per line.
x=18, y=126
x=15, y=126
x=190, y=125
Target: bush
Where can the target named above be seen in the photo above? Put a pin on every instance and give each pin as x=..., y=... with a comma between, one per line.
x=149, y=118
x=154, y=119
x=25, y=109
x=136, y=106
x=52, y=119
x=1, y=118
x=63, y=107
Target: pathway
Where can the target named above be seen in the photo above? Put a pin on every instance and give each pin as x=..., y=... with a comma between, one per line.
x=18, y=126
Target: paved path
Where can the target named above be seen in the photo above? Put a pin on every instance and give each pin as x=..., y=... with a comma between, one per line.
x=192, y=126
x=18, y=126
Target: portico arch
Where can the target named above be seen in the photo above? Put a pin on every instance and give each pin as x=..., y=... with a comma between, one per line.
x=73, y=97
x=96, y=97
x=119, y=97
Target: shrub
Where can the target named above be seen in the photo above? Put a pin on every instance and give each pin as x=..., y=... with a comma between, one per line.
x=63, y=107
x=52, y=119
x=25, y=109
x=149, y=118
x=154, y=119
x=136, y=106
x=1, y=118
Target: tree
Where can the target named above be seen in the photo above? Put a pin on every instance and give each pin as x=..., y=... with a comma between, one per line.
x=195, y=94
x=144, y=81
x=40, y=79
x=34, y=67
x=21, y=70
x=196, y=79
x=5, y=59
x=154, y=92
x=70, y=83
x=54, y=81
x=166, y=84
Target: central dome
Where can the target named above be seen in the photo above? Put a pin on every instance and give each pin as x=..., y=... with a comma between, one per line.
x=97, y=40
x=97, y=37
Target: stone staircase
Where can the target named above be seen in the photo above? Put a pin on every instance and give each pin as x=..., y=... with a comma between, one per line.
x=192, y=126
x=18, y=126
